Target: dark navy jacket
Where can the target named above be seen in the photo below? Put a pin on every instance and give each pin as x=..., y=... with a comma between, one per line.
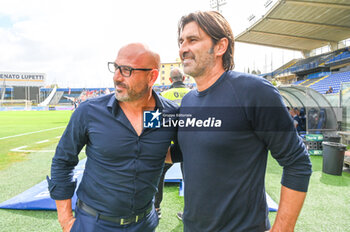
x=231, y=127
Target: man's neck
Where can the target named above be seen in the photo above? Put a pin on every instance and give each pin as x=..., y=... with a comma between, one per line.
x=177, y=84
x=134, y=110
x=209, y=78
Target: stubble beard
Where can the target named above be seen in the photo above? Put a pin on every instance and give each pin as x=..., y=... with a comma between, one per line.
x=199, y=68
x=131, y=94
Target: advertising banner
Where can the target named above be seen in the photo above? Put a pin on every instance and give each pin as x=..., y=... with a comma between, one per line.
x=22, y=79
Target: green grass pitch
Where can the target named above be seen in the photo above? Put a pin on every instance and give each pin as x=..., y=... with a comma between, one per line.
x=326, y=208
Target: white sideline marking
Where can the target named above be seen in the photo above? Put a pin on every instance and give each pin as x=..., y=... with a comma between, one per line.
x=21, y=149
x=34, y=150
x=12, y=136
x=58, y=137
x=18, y=148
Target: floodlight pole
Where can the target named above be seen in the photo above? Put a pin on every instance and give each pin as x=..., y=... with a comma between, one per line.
x=216, y=4
x=3, y=90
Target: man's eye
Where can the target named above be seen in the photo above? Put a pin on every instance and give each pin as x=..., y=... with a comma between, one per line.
x=126, y=68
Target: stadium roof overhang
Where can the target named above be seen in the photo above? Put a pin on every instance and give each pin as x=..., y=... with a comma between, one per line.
x=301, y=25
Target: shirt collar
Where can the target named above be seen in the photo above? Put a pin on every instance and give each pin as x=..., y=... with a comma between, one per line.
x=178, y=84
x=113, y=103
x=159, y=101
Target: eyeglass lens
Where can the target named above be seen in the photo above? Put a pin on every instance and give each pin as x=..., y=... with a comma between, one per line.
x=124, y=70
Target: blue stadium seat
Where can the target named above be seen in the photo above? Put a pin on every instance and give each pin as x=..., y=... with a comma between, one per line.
x=333, y=80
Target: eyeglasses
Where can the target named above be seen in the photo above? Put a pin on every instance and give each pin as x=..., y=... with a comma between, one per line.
x=126, y=71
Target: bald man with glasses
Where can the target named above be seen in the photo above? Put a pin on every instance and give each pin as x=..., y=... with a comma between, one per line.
x=124, y=159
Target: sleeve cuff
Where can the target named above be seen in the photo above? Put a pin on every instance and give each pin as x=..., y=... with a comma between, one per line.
x=61, y=191
x=297, y=183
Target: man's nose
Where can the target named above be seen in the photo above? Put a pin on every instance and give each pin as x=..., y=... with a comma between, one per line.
x=183, y=48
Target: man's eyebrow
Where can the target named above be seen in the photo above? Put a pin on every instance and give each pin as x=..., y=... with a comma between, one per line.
x=192, y=37
x=189, y=37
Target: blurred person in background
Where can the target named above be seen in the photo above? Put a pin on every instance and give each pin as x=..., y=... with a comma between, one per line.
x=175, y=93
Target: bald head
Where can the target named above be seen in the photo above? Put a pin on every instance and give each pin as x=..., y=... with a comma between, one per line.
x=140, y=54
x=176, y=75
x=136, y=84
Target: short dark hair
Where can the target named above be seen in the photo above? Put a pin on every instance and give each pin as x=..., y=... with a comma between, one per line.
x=217, y=27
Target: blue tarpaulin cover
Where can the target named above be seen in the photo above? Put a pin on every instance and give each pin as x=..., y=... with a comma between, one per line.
x=38, y=197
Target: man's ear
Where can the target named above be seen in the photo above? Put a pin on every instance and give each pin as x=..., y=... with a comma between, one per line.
x=154, y=75
x=221, y=46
